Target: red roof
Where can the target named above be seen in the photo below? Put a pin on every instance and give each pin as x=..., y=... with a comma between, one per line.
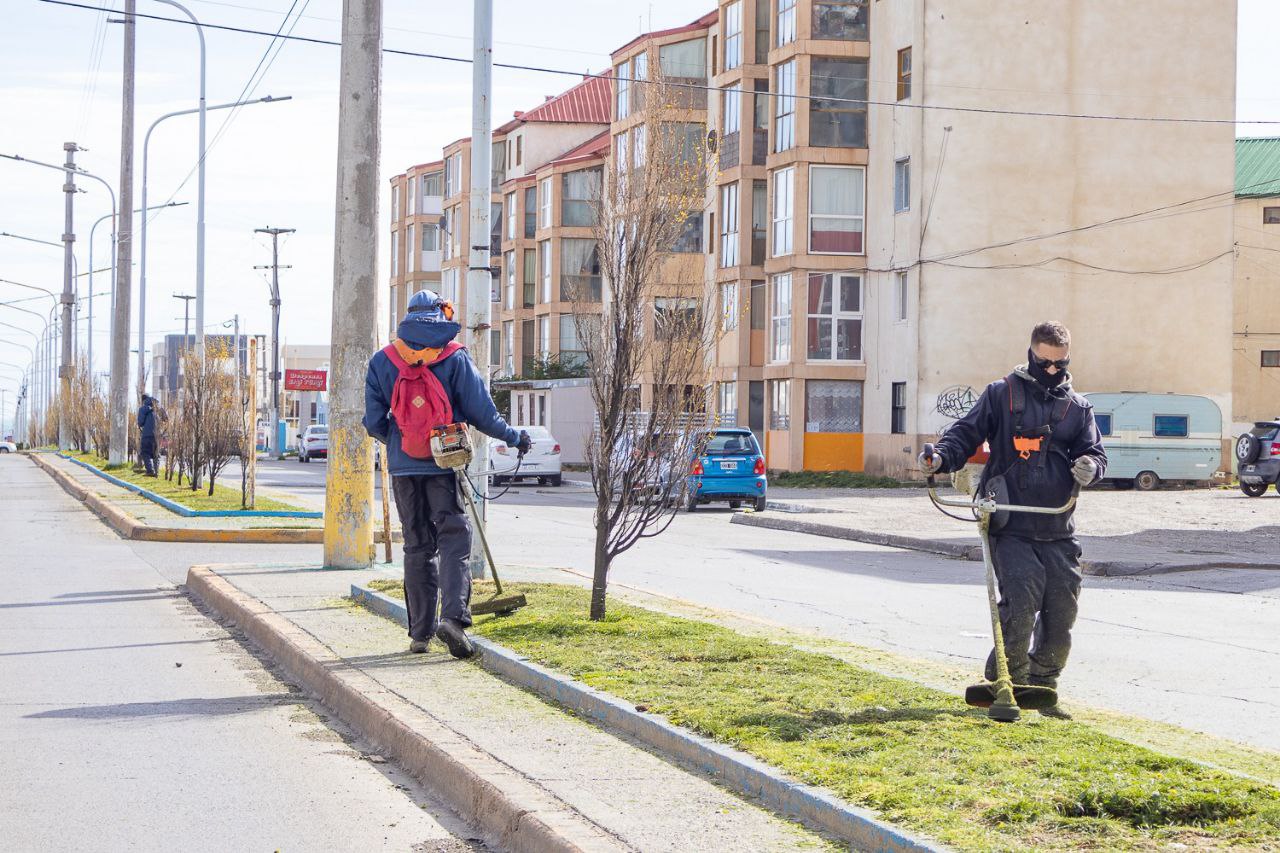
x=586, y=103
x=700, y=24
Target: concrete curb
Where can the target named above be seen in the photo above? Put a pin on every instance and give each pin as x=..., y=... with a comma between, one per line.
x=735, y=769
x=490, y=795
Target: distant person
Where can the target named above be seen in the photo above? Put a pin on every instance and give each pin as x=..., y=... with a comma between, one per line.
x=147, y=421
x=437, y=534
x=1043, y=442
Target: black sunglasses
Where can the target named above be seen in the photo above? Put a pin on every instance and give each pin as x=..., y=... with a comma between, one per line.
x=1044, y=363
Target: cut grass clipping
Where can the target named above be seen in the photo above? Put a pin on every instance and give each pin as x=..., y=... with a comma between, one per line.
x=831, y=480
x=222, y=499
x=918, y=756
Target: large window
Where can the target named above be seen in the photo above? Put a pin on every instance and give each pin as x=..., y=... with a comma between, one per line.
x=544, y=208
x=529, y=283
x=412, y=254
x=727, y=403
x=898, y=419
x=431, y=185
x=572, y=352
x=675, y=317
x=784, y=201
x=430, y=238
x=689, y=240
x=622, y=104
x=844, y=20
x=544, y=252
x=836, y=209
x=780, y=404
x=510, y=262
x=728, y=306
x=902, y=185
x=685, y=63
x=903, y=295
x=729, y=225
x=832, y=405
x=784, y=121
x=786, y=21
x=835, y=317
x=530, y=212
x=453, y=175
x=580, y=193
x=580, y=279
x=732, y=110
x=395, y=253
x=732, y=23
x=838, y=108
x=904, y=74
x=511, y=216
x=780, y=319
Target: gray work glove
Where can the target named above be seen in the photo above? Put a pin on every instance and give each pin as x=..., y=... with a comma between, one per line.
x=524, y=444
x=1084, y=470
x=931, y=465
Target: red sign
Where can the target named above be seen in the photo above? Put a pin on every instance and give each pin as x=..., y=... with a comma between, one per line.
x=306, y=380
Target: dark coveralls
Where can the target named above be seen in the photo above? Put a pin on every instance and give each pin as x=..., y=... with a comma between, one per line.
x=147, y=428
x=1037, y=557
x=437, y=534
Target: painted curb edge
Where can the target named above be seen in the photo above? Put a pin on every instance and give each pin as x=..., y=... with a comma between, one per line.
x=733, y=768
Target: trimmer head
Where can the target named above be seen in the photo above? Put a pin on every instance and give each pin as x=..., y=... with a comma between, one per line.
x=502, y=605
x=1030, y=697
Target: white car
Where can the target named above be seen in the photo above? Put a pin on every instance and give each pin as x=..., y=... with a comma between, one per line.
x=313, y=443
x=8, y=447
x=542, y=461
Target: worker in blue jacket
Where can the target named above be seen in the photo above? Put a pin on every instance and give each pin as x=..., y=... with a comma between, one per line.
x=1043, y=443
x=147, y=434
x=437, y=534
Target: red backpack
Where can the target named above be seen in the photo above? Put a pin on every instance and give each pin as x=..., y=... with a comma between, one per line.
x=419, y=403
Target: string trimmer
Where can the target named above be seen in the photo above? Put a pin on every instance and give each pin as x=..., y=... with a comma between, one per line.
x=1002, y=698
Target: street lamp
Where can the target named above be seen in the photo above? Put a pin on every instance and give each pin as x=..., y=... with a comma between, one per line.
x=75, y=272
x=142, y=263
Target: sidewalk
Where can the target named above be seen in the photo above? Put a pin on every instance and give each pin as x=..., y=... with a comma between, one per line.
x=1122, y=533
x=572, y=776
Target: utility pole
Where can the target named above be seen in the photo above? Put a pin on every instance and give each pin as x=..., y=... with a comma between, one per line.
x=348, y=510
x=479, y=278
x=276, y=434
x=68, y=294
x=119, y=443
x=186, y=317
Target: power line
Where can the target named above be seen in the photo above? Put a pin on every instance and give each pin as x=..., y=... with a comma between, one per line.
x=693, y=86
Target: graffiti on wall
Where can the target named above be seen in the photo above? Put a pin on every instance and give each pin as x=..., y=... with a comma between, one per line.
x=956, y=402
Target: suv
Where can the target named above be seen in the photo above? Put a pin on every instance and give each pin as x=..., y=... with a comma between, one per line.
x=1258, y=455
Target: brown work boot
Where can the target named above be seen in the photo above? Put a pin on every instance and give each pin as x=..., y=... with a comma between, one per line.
x=418, y=647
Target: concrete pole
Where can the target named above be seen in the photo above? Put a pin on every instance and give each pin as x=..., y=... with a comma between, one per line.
x=68, y=294
x=119, y=398
x=251, y=432
x=274, y=402
x=479, y=280
x=348, y=515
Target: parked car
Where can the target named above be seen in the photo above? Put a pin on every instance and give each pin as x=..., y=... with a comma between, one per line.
x=1258, y=455
x=730, y=469
x=313, y=442
x=8, y=447
x=541, y=462
x=1155, y=437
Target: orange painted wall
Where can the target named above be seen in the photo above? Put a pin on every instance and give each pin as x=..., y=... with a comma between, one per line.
x=833, y=451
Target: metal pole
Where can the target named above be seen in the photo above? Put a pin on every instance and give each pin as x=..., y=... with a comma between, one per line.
x=251, y=433
x=119, y=444
x=479, y=279
x=275, y=332
x=68, y=295
x=348, y=515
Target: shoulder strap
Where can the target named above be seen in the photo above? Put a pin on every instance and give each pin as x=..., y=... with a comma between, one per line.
x=1060, y=409
x=1017, y=399
x=392, y=353
x=449, y=349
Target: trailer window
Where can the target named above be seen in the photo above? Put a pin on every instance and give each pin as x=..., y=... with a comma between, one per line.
x=1104, y=423
x=1170, y=426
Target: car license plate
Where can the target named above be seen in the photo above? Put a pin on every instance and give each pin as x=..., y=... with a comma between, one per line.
x=728, y=466
x=1249, y=469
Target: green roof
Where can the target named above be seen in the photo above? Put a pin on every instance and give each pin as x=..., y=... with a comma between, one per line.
x=1258, y=167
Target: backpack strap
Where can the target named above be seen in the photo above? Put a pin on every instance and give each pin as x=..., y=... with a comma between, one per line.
x=393, y=354
x=1017, y=400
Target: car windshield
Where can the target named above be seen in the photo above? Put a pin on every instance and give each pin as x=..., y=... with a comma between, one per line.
x=1266, y=432
x=319, y=430
x=731, y=444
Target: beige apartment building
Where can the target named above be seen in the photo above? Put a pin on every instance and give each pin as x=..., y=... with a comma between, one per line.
x=417, y=203
x=1256, y=335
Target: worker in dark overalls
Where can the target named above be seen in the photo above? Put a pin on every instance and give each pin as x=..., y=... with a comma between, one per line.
x=147, y=422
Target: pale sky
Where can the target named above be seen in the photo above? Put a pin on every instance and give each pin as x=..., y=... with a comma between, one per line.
x=274, y=165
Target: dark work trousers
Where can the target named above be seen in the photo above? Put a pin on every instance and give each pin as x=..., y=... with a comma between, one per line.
x=437, y=550
x=147, y=450
x=1039, y=588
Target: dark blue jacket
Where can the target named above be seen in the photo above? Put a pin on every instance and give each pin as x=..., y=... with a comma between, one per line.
x=1030, y=483
x=461, y=380
x=147, y=420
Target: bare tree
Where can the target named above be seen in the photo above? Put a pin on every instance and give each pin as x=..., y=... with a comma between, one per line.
x=224, y=421
x=648, y=344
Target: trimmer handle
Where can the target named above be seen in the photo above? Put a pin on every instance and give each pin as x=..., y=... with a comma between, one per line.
x=928, y=453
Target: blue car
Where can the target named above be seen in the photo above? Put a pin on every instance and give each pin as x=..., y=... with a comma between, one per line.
x=730, y=470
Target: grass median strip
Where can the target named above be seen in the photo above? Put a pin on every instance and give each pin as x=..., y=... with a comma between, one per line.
x=223, y=497
x=918, y=756
x=831, y=480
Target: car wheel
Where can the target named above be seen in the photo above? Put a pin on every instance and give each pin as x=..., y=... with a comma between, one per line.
x=542, y=481
x=761, y=504
x=557, y=480
x=1248, y=448
x=302, y=458
x=4, y=450
x=1254, y=490
x=1146, y=481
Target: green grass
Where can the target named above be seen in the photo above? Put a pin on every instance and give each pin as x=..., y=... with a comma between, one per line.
x=223, y=497
x=831, y=480
x=918, y=756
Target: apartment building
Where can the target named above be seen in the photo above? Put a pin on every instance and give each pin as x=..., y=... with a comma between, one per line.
x=1256, y=335
x=417, y=203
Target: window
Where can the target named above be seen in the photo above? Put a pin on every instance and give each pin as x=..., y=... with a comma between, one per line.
x=836, y=209
x=898, y=420
x=689, y=240
x=732, y=111
x=530, y=279
x=395, y=253
x=495, y=284
x=904, y=295
x=510, y=262
x=902, y=185
x=544, y=209
x=728, y=306
x=498, y=160
x=786, y=21
x=675, y=317
x=685, y=63
x=412, y=254
x=580, y=279
x=544, y=336
x=572, y=353
x=579, y=194
x=784, y=122
x=780, y=404
x=784, y=185
x=495, y=227
x=832, y=405
x=1169, y=426
x=519, y=149
x=780, y=322
x=530, y=212
x=727, y=402
x=729, y=225
x=431, y=185
x=509, y=347
x=904, y=74
x=495, y=348
x=639, y=71
x=1271, y=216
x=835, y=317
x=452, y=227
x=449, y=285
x=763, y=40
x=1271, y=358
x=759, y=220
x=838, y=109
x=1104, y=423
x=639, y=137
x=732, y=35
x=412, y=197
x=453, y=175
x=511, y=216
x=843, y=20
x=621, y=154
x=622, y=104
x=527, y=347
x=395, y=202
x=544, y=251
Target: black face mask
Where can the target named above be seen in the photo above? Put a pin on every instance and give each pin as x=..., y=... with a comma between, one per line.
x=1041, y=376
